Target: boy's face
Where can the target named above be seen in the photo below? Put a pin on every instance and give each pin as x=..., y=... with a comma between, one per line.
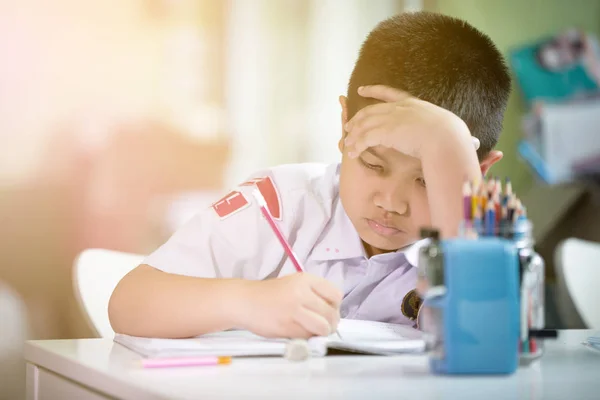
x=385, y=196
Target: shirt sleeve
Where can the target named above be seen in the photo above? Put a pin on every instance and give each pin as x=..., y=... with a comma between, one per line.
x=230, y=238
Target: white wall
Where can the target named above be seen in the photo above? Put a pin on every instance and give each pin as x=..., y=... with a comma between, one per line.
x=60, y=57
x=336, y=29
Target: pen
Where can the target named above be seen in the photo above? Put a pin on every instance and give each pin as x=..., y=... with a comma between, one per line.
x=286, y=246
x=184, y=362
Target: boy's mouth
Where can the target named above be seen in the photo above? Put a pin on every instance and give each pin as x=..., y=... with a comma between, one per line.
x=383, y=228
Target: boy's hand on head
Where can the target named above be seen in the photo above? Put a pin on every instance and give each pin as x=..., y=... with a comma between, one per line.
x=295, y=306
x=402, y=122
x=437, y=137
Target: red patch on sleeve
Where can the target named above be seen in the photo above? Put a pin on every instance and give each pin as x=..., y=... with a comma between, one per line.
x=268, y=190
x=230, y=204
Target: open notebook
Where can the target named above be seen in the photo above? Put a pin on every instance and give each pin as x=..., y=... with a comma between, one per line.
x=354, y=336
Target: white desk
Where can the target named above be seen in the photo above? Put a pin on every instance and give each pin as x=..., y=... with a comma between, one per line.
x=98, y=369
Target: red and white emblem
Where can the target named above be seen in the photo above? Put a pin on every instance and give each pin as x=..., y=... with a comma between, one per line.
x=230, y=204
x=268, y=190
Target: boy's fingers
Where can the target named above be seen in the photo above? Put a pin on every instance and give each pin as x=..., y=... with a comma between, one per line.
x=373, y=109
x=298, y=332
x=378, y=136
x=383, y=93
x=317, y=304
x=327, y=291
x=362, y=126
x=313, y=322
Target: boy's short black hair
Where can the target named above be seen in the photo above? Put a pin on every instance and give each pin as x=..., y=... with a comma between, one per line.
x=439, y=59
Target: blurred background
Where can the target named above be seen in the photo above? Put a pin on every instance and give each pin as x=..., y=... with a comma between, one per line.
x=120, y=118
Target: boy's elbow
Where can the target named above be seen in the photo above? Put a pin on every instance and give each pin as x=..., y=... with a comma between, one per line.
x=115, y=309
x=127, y=301
x=119, y=304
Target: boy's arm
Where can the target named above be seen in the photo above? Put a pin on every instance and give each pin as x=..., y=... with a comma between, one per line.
x=213, y=274
x=447, y=161
x=439, y=138
x=152, y=303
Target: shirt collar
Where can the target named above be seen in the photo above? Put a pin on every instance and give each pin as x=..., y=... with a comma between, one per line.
x=411, y=252
x=339, y=239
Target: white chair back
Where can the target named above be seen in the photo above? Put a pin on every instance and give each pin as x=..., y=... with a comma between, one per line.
x=577, y=264
x=96, y=273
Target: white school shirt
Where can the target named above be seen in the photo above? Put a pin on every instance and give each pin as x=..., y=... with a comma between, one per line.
x=231, y=239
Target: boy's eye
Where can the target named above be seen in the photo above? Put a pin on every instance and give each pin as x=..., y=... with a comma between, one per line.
x=370, y=166
x=421, y=181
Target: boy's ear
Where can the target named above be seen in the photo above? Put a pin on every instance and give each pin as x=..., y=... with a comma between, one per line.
x=343, y=102
x=492, y=158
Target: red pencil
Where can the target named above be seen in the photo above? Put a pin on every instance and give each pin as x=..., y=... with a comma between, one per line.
x=286, y=246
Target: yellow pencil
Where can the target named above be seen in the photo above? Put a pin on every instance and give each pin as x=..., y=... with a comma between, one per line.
x=475, y=198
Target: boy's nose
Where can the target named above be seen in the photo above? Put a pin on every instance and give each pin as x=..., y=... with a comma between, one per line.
x=393, y=200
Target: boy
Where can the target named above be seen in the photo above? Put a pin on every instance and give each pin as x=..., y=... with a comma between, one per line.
x=404, y=160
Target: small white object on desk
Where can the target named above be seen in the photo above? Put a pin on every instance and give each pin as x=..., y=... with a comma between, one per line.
x=297, y=350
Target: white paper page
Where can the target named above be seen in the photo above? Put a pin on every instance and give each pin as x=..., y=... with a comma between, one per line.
x=230, y=343
x=360, y=335
x=356, y=330
x=377, y=337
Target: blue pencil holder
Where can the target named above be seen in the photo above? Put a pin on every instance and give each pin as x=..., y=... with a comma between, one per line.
x=471, y=313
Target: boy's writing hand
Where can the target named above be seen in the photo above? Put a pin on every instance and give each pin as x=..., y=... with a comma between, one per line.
x=402, y=122
x=295, y=306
